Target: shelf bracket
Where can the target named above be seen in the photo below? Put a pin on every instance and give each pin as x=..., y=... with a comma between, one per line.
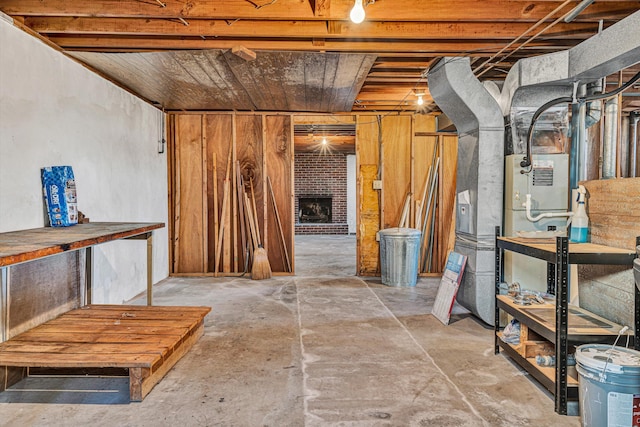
x=562, y=317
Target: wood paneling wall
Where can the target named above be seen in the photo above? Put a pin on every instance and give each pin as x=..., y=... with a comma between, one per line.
x=408, y=145
x=188, y=221
x=279, y=160
x=45, y=288
x=398, y=150
x=205, y=151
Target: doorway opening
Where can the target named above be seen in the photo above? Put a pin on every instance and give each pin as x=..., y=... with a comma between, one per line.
x=325, y=183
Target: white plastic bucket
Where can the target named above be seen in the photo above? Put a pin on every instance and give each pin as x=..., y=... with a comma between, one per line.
x=609, y=385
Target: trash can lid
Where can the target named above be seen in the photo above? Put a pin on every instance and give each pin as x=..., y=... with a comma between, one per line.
x=400, y=232
x=616, y=360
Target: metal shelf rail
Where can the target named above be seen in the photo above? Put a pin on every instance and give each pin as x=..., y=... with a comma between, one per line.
x=559, y=256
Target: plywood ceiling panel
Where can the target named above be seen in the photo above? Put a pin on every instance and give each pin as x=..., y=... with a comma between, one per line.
x=220, y=80
x=299, y=64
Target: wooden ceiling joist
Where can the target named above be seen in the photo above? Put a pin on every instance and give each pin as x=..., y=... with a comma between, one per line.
x=381, y=10
x=440, y=47
x=298, y=29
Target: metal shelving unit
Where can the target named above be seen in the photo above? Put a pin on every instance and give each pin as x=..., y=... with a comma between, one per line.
x=558, y=255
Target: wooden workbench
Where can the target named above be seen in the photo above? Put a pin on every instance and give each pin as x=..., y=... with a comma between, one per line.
x=22, y=246
x=146, y=341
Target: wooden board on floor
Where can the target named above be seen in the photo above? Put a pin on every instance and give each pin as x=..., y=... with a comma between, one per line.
x=146, y=340
x=279, y=161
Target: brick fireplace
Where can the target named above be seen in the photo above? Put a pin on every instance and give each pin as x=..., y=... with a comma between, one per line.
x=321, y=193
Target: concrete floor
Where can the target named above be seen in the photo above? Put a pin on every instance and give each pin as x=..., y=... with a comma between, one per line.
x=324, y=348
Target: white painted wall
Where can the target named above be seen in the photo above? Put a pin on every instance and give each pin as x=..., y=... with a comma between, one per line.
x=53, y=111
x=351, y=193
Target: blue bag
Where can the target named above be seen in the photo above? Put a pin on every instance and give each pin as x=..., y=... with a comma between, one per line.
x=59, y=188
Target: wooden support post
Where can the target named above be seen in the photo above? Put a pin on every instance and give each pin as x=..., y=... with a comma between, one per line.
x=88, y=275
x=216, y=226
x=205, y=210
x=150, y=268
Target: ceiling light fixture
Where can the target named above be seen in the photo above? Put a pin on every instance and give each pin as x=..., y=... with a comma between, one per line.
x=324, y=141
x=420, y=96
x=357, y=13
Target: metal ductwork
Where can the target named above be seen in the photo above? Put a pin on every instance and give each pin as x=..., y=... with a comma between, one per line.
x=633, y=144
x=583, y=116
x=610, y=138
x=613, y=49
x=478, y=120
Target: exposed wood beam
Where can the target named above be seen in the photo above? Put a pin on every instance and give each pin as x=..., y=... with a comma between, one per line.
x=373, y=82
x=399, y=10
x=440, y=47
x=331, y=119
x=390, y=63
x=321, y=8
x=316, y=138
x=306, y=29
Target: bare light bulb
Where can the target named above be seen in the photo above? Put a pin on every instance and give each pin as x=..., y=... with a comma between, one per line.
x=357, y=13
x=324, y=141
x=420, y=100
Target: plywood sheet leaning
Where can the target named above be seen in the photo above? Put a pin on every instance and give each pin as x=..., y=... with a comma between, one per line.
x=279, y=161
x=421, y=160
x=218, y=141
x=189, y=239
x=424, y=165
x=447, y=194
x=396, y=172
x=368, y=201
x=250, y=157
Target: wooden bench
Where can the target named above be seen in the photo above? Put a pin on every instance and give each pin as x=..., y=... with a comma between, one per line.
x=147, y=341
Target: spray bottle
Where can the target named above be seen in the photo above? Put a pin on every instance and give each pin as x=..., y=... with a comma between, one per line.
x=580, y=220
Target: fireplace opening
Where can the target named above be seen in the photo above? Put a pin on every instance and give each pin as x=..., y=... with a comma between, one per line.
x=314, y=209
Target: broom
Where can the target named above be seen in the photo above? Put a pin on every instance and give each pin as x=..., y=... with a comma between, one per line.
x=260, y=269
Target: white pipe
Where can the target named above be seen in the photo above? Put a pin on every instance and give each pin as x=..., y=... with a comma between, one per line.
x=610, y=137
x=527, y=206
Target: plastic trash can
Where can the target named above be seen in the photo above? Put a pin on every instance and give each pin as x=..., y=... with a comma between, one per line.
x=609, y=385
x=399, y=252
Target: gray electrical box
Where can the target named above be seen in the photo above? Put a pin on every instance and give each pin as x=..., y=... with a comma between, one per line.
x=547, y=182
